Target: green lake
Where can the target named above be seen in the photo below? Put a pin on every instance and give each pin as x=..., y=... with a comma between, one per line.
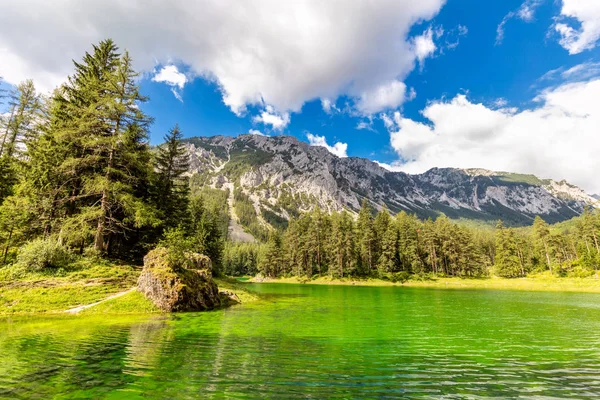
x=309, y=341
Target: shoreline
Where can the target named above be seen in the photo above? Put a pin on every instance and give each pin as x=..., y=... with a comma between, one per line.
x=534, y=284
x=103, y=289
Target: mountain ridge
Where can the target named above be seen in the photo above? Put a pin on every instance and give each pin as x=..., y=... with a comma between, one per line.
x=283, y=176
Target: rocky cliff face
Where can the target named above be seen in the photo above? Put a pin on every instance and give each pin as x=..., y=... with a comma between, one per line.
x=285, y=176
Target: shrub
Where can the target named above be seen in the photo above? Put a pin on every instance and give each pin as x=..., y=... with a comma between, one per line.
x=401, y=277
x=40, y=254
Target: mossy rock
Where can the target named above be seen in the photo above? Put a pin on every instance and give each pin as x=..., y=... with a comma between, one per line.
x=175, y=287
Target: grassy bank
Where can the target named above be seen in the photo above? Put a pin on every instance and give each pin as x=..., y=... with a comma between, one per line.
x=535, y=283
x=83, y=283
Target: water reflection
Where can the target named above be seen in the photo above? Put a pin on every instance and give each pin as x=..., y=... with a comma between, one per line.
x=320, y=342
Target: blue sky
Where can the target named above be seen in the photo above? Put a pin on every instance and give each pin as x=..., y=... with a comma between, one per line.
x=412, y=86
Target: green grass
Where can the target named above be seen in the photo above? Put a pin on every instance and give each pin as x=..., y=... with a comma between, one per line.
x=541, y=282
x=235, y=286
x=84, y=282
x=33, y=299
x=133, y=302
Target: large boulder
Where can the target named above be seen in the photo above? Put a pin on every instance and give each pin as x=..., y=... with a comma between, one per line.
x=178, y=283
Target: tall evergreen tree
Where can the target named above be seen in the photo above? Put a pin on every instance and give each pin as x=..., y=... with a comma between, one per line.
x=365, y=235
x=507, y=260
x=388, y=254
x=271, y=264
x=18, y=129
x=204, y=231
x=172, y=163
x=541, y=234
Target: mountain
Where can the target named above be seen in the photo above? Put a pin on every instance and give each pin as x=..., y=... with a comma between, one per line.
x=281, y=176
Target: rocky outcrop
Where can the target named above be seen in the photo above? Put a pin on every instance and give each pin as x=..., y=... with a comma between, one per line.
x=182, y=285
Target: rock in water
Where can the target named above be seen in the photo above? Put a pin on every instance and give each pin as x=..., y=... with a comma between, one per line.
x=184, y=285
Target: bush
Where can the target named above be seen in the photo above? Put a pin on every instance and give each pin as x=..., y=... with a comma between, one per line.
x=402, y=276
x=40, y=254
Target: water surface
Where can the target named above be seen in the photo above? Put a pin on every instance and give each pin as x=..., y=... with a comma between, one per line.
x=308, y=341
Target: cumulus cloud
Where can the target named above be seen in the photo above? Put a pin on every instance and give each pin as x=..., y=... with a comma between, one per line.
x=424, y=46
x=584, y=37
x=270, y=117
x=557, y=139
x=384, y=97
x=329, y=106
x=282, y=53
x=526, y=12
x=171, y=76
x=339, y=149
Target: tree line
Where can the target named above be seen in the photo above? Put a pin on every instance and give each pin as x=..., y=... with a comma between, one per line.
x=77, y=169
x=396, y=247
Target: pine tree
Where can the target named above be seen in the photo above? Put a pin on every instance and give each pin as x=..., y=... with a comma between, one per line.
x=341, y=245
x=272, y=257
x=98, y=123
x=507, y=260
x=172, y=163
x=408, y=243
x=541, y=233
x=18, y=129
x=205, y=233
x=317, y=232
x=388, y=257
x=365, y=235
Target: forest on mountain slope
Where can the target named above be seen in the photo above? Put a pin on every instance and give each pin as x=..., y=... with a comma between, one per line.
x=79, y=179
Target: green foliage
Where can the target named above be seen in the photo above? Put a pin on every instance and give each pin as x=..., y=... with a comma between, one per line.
x=317, y=244
x=172, y=186
x=275, y=220
x=246, y=213
x=40, y=254
x=241, y=259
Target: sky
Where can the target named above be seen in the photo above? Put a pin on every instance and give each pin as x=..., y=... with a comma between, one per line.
x=506, y=85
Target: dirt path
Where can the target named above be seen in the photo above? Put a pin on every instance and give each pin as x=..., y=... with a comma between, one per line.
x=112, y=296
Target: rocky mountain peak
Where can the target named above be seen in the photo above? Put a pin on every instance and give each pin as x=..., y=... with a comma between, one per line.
x=283, y=176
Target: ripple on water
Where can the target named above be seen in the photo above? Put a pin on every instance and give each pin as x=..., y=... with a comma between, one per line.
x=319, y=342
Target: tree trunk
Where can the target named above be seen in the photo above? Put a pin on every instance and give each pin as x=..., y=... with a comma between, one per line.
x=12, y=114
x=99, y=241
x=547, y=256
x=8, y=243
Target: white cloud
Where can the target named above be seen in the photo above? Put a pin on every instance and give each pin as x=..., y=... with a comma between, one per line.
x=387, y=96
x=171, y=76
x=453, y=37
x=326, y=104
x=394, y=167
x=282, y=53
x=424, y=46
x=270, y=117
x=587, y=13
x=256, y=132
x=577, y=73
x=366, y=125
x=526, y=12
x=559, y=139
x=339, y=149
x=500, y=102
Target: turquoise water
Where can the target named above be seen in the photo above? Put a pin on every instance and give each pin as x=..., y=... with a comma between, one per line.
x=308, y=341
